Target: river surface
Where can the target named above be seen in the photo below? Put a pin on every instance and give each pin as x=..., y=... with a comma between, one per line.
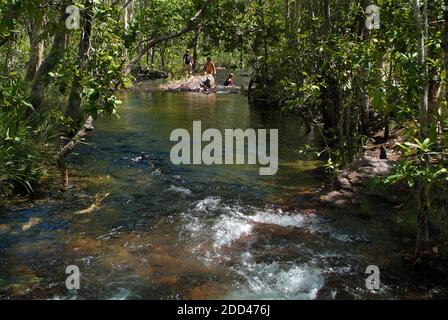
x=161, y=231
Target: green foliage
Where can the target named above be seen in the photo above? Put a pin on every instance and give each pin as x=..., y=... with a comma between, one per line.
x=422, y=164
x=25, y=141
x=103, y=73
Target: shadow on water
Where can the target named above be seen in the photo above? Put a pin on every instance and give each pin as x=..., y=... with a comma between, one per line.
x=188, y=232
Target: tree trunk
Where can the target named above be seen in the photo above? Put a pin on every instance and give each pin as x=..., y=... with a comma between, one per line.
x=444, y=220
x=421, y=21
x=131, y=11
x=162, y=57
x=287, y=19
x=73, y=110
x=126, y=16
x=445, y=51
x=241, y=63
x=422, y=218
x=36, y=48
x=365, y=110
x=41, y=78
x=445, y=41
x=265, y=40
x=153, y=55
x=326, y=9
x=364, y=97
x=297, y=17
x=341, y=126
x=196, y=47
x=423, y=204
x=348, y=133
x=70, y=146
x=6, y=63
x=128, y=7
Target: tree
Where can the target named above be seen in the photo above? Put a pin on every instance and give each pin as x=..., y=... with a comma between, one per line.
x=421, y=23
x=57, y=51
x=191, y=25
x=73, y=109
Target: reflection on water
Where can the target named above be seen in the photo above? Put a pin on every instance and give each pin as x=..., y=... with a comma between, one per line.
x=186, y=232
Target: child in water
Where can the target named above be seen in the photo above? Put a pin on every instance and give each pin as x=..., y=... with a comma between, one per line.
x=230, y=82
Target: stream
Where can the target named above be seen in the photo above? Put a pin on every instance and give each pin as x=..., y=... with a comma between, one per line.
x=192, y=231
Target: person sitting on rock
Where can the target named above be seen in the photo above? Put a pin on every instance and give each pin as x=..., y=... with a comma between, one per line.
x=209, y=67
x=230, y=82
x=206, y=84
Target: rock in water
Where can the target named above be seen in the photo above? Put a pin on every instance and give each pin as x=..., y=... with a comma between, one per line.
x=354, y=184
x=360, y=172
x=193, y=84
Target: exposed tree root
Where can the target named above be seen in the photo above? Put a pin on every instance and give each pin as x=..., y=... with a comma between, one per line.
x=95, y=205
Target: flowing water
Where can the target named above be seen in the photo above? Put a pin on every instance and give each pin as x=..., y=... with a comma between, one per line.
x=191, y=232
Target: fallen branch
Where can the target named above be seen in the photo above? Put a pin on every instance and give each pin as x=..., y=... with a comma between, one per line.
x=95, y=205
x=70, y=146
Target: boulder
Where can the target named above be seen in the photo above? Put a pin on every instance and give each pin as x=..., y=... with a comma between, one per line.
x=361, y=172
x=192, y=84
x=353, y=184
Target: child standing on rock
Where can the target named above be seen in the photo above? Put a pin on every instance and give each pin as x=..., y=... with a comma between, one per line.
x=209, y=67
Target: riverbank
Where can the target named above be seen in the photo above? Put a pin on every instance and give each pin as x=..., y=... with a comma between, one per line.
x=356, y=188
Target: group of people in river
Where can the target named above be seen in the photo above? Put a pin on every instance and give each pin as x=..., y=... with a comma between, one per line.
x=209, y=68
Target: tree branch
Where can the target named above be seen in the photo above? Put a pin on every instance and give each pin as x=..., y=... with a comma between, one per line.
x=70, y=146
x=191, y=25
